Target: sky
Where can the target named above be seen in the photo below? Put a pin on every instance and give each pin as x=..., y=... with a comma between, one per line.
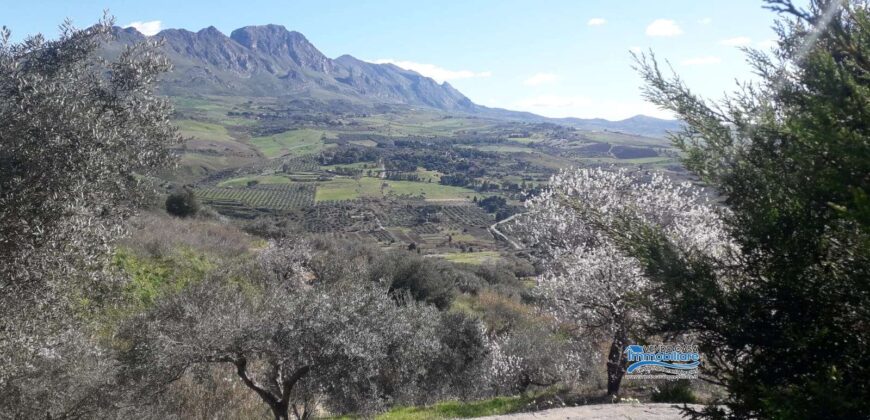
x=558, y=58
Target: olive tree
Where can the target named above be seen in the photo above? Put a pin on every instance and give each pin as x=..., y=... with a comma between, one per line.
x=292, y=338
x=78, y=138
x=587, y=279
x=785, y=326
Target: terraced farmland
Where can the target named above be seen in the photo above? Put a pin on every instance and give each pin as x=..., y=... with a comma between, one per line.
x=247, y=202
x=466, y=216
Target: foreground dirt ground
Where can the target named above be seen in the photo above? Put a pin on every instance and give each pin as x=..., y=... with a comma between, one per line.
x=603, y=412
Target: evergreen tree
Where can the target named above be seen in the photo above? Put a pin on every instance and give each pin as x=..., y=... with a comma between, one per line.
x=783, y=321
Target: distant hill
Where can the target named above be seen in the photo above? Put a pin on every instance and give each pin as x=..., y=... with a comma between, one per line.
x=638, y=124
x=272, y=61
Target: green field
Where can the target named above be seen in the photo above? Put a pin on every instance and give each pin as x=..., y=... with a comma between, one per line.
x=348, y=189
x=426, y=175
x=212, y=108
x=366, y=143
x=366, y=187
x=429, y=191
x=421, y=122
x=261, y=179
x=356, y=165
x=637, y=161
x=203, y=130
x=626, y=139
x=471, y=257
x=505, y=148
x=294, y=142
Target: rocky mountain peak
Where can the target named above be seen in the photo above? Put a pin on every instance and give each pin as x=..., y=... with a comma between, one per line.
x=270, y=60
x=278, y=42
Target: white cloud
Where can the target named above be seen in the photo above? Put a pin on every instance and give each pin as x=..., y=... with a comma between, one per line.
x=440, y=74
x=146, y=28
x=596, y=21
x=705, y=21
x=663, y=27
x=701, y=61
x=635, y=49
x=540, y=79
x=738, y=41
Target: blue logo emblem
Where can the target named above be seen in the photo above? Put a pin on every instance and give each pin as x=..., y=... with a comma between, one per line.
x=663, y=361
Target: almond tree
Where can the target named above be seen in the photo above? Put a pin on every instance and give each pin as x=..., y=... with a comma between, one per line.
x=588, y=280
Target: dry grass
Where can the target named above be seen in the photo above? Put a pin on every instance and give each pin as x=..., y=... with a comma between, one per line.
x=212, y=392
x=157, y=234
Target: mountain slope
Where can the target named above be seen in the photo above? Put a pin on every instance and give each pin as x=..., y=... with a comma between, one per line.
x=271, y=61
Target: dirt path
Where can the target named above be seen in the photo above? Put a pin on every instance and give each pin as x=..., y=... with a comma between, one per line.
x=498, y=234
x=602, y=412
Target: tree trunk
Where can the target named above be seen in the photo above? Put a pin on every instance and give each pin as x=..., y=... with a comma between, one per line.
x=279, y=412
x=279, y=404
x=616, y=361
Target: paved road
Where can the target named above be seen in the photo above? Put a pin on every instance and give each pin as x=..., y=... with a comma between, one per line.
x=601, y=412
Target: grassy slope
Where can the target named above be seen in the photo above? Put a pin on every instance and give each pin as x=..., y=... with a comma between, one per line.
x=203, y=130
x=456, y=409
x=294, y=142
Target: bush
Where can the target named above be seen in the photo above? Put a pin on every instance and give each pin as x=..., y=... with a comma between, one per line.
x=492, y=204
x=425, y=279
x=458, y=369
x=182, y=203
x=679, y=391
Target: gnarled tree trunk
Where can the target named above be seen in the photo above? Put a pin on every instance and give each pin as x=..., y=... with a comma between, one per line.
x=279, y=404
x=616, y=361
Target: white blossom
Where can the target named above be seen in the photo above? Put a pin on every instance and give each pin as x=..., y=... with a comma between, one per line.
x=587, y=279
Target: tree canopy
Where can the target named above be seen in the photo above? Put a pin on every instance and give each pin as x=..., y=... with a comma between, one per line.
x=80, y=136
x=784, y=323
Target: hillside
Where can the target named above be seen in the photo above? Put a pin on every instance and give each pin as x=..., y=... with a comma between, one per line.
x=280, y=134
x=271, y=61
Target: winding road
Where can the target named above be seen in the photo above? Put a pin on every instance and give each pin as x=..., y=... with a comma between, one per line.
x=497, y=233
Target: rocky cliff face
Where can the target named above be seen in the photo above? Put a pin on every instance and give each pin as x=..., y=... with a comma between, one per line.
x=269, y=60
x=288, y=48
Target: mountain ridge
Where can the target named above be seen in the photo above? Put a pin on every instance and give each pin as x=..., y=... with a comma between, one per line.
x=270, y=60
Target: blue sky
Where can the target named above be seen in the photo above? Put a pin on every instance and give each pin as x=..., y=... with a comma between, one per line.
x=556, y=58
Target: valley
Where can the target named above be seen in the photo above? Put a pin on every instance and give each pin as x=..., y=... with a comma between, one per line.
x=280, y=136
x=206, y=224
x=399, y=176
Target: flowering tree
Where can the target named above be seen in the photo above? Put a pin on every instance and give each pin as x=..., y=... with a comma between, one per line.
x=588, y=280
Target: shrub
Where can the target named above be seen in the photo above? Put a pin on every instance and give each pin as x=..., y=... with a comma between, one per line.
x=679, y=391
x=182, y=203
x=426, y=280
